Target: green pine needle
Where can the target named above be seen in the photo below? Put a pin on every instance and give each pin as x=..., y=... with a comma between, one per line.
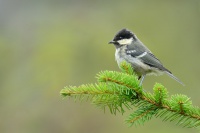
x=118, y=92
x=141, y=115
x=160, y=94
x=126, y=68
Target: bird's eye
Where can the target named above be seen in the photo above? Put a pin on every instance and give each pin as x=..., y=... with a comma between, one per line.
x=120, y=37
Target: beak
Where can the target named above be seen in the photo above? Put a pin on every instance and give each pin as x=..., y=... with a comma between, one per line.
x=111, y=42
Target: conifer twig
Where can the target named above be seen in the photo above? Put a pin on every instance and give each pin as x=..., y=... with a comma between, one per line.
x=118, y=91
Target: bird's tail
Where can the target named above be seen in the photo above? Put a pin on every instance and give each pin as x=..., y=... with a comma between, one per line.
x=175, y=78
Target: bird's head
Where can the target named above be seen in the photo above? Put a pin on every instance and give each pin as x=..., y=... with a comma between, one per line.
x=123, y=37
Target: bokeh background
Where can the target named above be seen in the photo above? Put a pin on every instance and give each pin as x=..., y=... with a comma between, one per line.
x=46, y=45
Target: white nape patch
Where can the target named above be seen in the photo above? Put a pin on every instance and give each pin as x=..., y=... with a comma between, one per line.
x=142, y=55
x=125, y=41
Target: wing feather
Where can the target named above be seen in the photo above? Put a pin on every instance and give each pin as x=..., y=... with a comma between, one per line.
x=146, y=57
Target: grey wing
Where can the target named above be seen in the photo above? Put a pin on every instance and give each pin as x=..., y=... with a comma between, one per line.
x=146, y=57
x=152, y=61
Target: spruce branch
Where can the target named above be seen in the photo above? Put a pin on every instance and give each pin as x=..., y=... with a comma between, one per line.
x=120, y=91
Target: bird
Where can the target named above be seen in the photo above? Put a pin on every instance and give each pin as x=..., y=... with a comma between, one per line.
x=130, y=49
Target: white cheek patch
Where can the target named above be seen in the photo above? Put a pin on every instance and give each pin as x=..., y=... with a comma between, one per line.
x=125, y=41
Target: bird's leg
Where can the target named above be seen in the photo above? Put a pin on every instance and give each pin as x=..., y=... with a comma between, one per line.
x=142, y=78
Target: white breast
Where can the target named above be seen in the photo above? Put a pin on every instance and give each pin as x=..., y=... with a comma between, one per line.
x=118, y=56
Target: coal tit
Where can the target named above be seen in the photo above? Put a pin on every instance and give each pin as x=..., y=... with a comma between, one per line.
x=130, y=49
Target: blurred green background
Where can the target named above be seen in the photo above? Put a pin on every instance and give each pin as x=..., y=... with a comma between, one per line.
x=46, y=45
